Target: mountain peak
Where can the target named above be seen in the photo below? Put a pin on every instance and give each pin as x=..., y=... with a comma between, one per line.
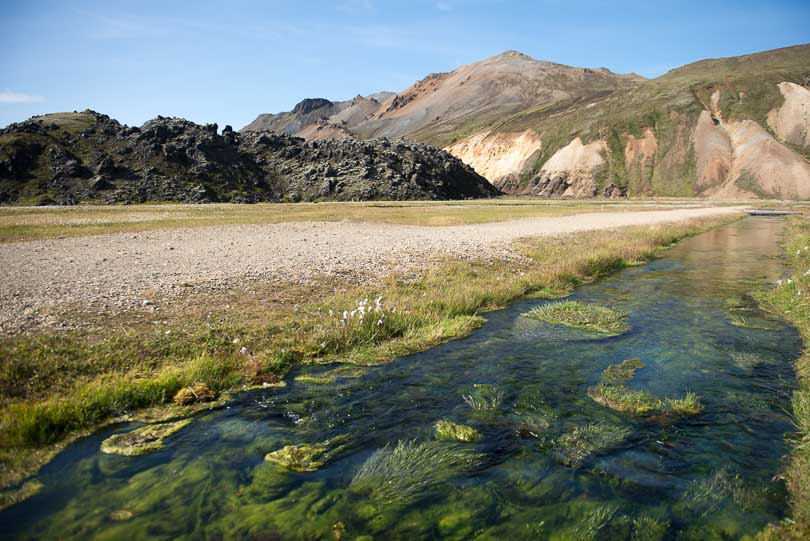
x=512, y=54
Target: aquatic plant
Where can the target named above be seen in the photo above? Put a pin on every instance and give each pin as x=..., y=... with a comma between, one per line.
x=648, y=528
x=141, y=441
x=447, y=430
x=582, y=316
x=407, y=471
x=484, y=397
x=594, y=521
x=747, y=361
x=580, y=444
x=316, y=380
x=307, y=457
x=619, y=374
x=688, y=405
x=705, y=496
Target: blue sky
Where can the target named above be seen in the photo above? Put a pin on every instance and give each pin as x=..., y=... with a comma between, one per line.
x=226, y=62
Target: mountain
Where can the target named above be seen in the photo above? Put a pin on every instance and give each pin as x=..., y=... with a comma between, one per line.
x=723, y=128
x=68, y=158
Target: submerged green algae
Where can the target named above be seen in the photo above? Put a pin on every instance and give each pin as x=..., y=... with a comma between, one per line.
x=141, y=441
x=577, y=446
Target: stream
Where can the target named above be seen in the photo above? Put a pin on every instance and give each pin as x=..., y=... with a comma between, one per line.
x=708, y=476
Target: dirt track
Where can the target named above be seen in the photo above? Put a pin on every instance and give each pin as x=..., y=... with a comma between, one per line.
x=111, y=272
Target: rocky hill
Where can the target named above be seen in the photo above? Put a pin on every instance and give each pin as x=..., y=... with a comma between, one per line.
x=68, y=158
x=722, y=128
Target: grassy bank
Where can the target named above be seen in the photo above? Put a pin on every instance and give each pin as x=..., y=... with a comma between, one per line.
x=55, y=385
x=791, y=299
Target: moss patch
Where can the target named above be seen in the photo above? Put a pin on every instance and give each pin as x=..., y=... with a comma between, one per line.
x=447, y=430
x=141, y=441
x=307, y=457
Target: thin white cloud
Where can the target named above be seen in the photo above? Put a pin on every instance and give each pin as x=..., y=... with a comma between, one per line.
x=444, y=6
x=9, y=97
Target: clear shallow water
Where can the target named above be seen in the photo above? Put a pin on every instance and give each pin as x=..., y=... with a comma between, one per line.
x=706, y=477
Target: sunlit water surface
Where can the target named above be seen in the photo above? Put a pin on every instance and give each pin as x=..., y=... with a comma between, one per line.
x=706, y=477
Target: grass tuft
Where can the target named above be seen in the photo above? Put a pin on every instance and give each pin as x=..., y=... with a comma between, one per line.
x=409, y=470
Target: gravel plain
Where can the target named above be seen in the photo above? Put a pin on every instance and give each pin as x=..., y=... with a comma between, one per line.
x=42, y=279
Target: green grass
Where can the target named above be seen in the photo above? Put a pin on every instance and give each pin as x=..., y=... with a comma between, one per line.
x=582, y=316
x=59, y=384
x=789, y=299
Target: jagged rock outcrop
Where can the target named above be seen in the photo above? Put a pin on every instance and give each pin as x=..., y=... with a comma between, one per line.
x=68, y=158
x=350, y=169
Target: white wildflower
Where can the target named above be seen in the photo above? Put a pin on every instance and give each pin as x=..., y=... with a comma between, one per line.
x=379, y=322
x=345, y=314
x=331, y=313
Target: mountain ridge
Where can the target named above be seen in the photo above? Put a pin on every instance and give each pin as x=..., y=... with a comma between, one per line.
x=541, y=128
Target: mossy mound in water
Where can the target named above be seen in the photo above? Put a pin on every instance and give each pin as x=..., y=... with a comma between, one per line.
x=141, y=441
x=581, y=315
x=307, y=457
x=199, y=392
x=614, y=394
x=446, y=430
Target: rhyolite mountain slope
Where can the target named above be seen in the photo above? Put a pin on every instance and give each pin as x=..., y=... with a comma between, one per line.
x=722, y=128
x=68, y=158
